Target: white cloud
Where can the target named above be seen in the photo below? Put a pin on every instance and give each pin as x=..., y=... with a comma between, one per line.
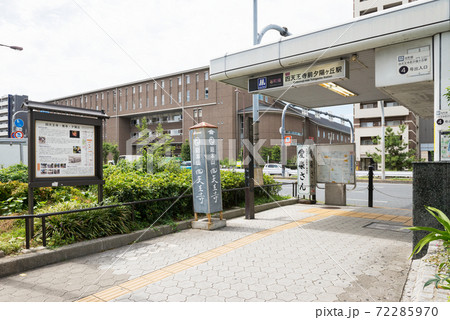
x=66, y=52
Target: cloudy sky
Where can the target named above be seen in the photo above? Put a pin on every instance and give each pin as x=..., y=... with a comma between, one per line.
x=72, y=46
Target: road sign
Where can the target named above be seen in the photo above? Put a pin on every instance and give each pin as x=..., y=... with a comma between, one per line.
x=287, y=140
x=18, y=123
x=17, y=135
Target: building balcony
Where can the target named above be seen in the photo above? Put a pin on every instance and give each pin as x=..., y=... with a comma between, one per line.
x=376, y=112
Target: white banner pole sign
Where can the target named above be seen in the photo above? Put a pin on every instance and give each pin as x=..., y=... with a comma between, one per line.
x=306, y=182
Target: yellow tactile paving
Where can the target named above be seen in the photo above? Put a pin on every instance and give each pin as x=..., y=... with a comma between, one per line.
x=386, y=217
x=355, y=215
x=372, y=216
x=401, y=219
x=408, y=223
x=176, y=267
x=267, y=232
x=137, y=283
x=320, y=213
x=209, y=255
x=157, y=275
x=194, y=261
x=222, y=249
x=111, y=293
x=90, y=299
x=314, y=218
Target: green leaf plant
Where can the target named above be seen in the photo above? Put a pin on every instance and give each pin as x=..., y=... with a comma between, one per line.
x=442, y=279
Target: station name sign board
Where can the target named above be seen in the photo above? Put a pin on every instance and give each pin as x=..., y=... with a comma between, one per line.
x=316, y=73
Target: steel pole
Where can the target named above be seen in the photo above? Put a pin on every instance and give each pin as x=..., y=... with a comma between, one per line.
x=383, y=151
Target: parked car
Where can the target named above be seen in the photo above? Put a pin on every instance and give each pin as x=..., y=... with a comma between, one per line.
x=277, y=169
x=186, y=165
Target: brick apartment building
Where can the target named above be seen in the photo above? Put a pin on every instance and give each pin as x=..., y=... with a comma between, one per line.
x=180, y=100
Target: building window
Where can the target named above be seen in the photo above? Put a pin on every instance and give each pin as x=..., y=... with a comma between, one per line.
x=395, y=4
x=155, y=101
x=155, y=85
x=162, y=100
x=134, y=106
x=206, y=93
x=196, y=94
x=134, y=90
x=200, y=113
x=170, y=83
x=391, y=123
x=162, y=84
x=140, y=103
x=391, y=104
x=367, y=141
x=366, y=124
x=323, y=134
x=179, y=81
x=368, y=11
x=196, y=77
x=368, y=105
x=188, y=95
x=206, y=75
x=195, y=113
x=188, y=79
x=179, y=97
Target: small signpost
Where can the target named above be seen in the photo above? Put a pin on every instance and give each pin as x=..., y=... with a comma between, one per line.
x=306, y=178
x=206, y=188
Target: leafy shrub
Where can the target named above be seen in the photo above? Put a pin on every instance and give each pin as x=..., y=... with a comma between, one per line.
x=124, y=185
x=74, y=227
x=442, y=279
x=14, y=196
x=17, y=172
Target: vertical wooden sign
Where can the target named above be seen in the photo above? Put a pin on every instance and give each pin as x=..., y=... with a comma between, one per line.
x=206, y=188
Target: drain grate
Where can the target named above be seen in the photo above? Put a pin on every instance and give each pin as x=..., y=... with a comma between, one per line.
x=387, y=226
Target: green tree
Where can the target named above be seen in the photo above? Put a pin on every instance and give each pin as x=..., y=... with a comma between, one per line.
x=396, y=156
x=266, y=153
x=110, y=148
x=276, y=154
x=154, y=147
x=185, y=151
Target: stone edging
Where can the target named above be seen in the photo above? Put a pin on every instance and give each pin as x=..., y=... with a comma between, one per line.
x=32, y=260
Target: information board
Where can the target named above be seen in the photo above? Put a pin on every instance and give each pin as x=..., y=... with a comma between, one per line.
x=207, y=191
x=64, y=149
x=335, y=163
x=445, y=146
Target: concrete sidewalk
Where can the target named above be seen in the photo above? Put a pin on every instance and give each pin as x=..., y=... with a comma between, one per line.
x=292, y=253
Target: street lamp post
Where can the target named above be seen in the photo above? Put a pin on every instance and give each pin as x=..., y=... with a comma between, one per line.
x=12, y=47
x=257, y=37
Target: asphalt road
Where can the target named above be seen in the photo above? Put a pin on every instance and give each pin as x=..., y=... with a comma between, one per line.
x=389, y=195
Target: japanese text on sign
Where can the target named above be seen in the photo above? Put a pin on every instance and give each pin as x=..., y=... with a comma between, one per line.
x=207, y=190
x=317, y=73
x=305, y=171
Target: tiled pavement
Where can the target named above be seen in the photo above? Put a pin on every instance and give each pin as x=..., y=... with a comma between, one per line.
x=292, y=253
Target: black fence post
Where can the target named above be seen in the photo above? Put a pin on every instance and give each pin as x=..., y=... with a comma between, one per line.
x=44, y=233
x=370, y=186
x=27, y=233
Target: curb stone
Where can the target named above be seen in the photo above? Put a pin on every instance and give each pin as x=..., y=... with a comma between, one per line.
x=420, y=272
x=35, y=259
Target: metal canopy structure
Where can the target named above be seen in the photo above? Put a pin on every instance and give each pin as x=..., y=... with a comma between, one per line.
x=358, y=42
